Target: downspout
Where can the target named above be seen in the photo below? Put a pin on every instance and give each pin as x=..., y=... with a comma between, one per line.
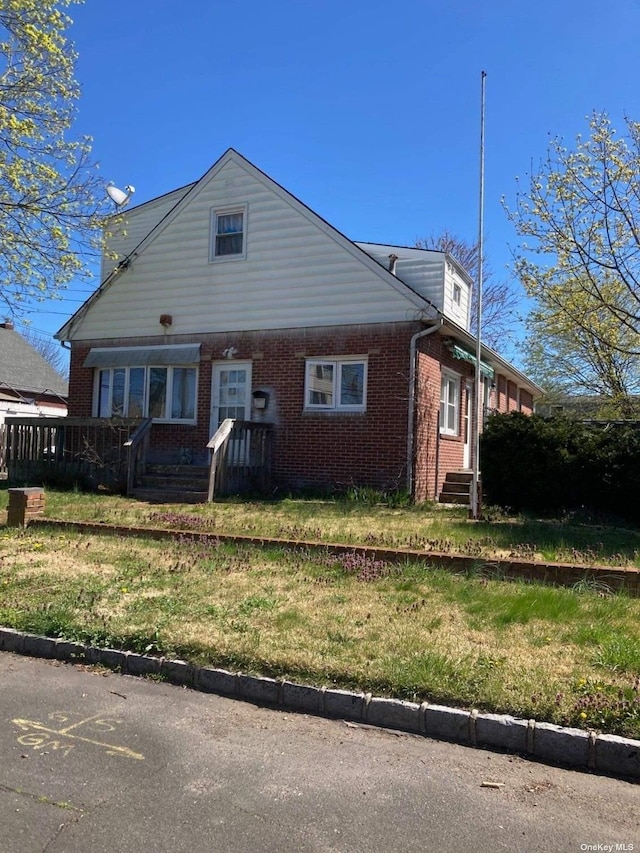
x=412, y=398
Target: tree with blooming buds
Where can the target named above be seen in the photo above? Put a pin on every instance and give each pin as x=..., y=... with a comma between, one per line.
x=579, y=260
x=50, y=193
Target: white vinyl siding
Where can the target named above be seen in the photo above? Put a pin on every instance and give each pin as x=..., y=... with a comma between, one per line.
x=450, y=404
x=338, y=384
x=162, y=393
x=298, y=272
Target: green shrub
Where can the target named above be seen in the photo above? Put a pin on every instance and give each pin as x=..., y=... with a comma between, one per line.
x=545, y=465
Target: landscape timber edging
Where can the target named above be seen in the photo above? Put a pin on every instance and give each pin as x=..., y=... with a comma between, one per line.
x=567, y=747
x=560, y=574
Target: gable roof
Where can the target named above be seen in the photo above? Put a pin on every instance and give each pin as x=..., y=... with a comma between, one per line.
x=417, y=301
x=22, y=368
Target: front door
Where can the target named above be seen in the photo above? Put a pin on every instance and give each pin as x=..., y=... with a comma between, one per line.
x=466, y=425
x=230, y=392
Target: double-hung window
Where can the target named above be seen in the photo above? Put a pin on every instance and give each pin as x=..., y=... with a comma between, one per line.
x=336, y=384
x=162, y=393
x=450, y=404
x=228, y=234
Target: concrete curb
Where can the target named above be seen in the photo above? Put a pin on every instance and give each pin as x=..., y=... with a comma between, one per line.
x=545, y=742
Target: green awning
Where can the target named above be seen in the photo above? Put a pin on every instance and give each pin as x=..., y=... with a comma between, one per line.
x=464, y=354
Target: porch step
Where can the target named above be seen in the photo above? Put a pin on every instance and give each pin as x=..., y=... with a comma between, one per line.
x=174, y=484
x=456, y=488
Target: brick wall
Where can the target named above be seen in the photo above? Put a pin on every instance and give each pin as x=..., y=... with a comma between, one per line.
x=326, y=449
x=318, y=449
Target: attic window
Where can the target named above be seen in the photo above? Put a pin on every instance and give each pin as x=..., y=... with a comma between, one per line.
x=457, y=294
x=228, y=228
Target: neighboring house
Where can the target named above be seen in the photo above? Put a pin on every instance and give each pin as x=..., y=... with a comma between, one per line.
x=230, y=298
x=588, y=407
x=29, y=386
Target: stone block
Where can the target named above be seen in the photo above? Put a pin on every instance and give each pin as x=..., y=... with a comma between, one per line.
x=301, y=697
x=619, y=756
x=560, y=745
x=216, y=681
x=178, y=672
x=503, y=731
x=258, y=689
x=39, y=647
x=141, y=664
x=66, y=650
x=447, y=723
x=11, y=640
x=113, y=658
x=344, y=704
x=393, y=714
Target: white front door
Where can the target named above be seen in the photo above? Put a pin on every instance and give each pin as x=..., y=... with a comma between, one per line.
x=230, y=392
x=466, y=424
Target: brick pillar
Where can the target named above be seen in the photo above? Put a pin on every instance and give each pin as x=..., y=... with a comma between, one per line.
x=24, y=504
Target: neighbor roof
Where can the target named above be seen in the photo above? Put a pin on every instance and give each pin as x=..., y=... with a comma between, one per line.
x=24, y=369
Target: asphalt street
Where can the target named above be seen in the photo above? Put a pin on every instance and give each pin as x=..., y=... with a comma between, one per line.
x=91, y=761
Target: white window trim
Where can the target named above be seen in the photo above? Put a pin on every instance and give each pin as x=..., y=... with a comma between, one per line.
x=448, y=376
x=145, y=402
x=457, y=294
x=225, y=211
x=337, y=362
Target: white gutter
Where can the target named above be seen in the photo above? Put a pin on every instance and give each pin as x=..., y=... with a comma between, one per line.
x=412, y=393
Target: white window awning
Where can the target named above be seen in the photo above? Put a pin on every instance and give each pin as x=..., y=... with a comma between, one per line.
x=142, y=356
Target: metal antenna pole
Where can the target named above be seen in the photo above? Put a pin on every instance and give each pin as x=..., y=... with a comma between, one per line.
x=475, y=510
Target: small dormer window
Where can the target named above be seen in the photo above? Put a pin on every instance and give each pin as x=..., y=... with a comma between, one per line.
x=228, y=233
x=457, y=294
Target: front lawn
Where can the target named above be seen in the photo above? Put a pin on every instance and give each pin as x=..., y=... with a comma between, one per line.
x=413, y=631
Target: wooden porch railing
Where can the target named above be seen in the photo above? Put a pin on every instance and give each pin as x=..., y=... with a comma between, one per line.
x=241, y=453
x=91, y=450
x=137, y=446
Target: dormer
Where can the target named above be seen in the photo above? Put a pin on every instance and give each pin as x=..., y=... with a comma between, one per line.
x=435, y=275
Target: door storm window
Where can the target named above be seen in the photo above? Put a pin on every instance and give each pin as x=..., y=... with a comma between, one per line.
x=228, y=234
x=337, y=384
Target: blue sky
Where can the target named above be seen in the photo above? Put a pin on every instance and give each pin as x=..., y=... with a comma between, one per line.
x=369, y=112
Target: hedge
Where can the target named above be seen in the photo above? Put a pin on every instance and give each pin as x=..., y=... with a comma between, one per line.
x=546, y=465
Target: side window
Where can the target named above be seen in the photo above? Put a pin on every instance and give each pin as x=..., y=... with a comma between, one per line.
x=450, y=404
x=336, y=384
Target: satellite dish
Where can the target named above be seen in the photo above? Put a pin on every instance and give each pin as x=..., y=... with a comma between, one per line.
x=119, y=197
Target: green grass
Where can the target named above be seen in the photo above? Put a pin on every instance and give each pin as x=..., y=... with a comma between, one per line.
x=572, y=538
x=570, y=656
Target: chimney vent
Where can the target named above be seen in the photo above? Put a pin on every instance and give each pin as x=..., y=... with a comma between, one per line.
x=393, y=259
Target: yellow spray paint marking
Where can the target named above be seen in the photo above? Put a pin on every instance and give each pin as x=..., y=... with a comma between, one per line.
x=41, y=736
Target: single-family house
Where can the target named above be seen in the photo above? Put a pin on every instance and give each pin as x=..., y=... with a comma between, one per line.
x=29, y=385
x=230, y=298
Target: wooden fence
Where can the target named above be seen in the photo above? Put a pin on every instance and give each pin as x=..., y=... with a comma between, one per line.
x=89, y=451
